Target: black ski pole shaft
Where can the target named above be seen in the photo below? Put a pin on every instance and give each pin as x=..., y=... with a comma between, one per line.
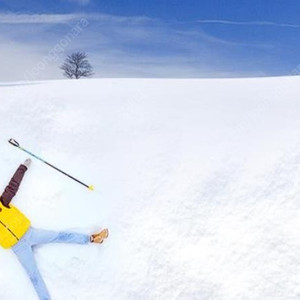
x=16, y=144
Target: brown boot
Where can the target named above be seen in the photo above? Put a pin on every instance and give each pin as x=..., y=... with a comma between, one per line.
x=99, y=237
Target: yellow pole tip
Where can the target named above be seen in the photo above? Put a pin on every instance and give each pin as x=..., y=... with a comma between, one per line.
x=91, y=187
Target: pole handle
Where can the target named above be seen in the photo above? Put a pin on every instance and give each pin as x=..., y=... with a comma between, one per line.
x=14, y=142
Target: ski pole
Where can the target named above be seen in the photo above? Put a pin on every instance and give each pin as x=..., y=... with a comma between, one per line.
x=16, y=144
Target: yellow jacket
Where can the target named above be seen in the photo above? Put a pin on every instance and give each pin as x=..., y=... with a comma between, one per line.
x=13, y=225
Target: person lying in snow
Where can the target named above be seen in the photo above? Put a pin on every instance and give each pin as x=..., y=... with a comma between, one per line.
x=16, y=233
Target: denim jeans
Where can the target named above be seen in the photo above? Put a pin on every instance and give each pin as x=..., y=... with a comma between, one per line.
x=24, y=251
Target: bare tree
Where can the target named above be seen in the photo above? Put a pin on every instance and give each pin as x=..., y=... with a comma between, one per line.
x=77, y=65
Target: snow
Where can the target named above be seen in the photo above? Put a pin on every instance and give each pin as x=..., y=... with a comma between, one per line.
x=198, y=181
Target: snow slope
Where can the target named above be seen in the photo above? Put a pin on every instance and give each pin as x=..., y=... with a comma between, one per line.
x=198, y=181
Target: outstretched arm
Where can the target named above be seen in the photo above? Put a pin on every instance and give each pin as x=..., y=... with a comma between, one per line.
x=13, y=186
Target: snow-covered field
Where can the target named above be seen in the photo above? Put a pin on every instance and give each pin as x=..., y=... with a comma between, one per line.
x=197, y=180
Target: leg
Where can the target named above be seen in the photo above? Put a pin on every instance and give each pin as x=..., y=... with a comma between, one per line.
x=26, y=258
x=40, y=236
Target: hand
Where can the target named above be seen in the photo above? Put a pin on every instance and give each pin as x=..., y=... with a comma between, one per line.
x=27, y=163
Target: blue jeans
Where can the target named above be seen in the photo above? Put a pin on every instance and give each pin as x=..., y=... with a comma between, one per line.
x=24, y=251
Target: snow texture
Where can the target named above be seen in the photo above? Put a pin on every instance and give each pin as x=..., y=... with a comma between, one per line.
x=197, y=180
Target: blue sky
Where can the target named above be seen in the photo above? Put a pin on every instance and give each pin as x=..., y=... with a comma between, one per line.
x=157, y=38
